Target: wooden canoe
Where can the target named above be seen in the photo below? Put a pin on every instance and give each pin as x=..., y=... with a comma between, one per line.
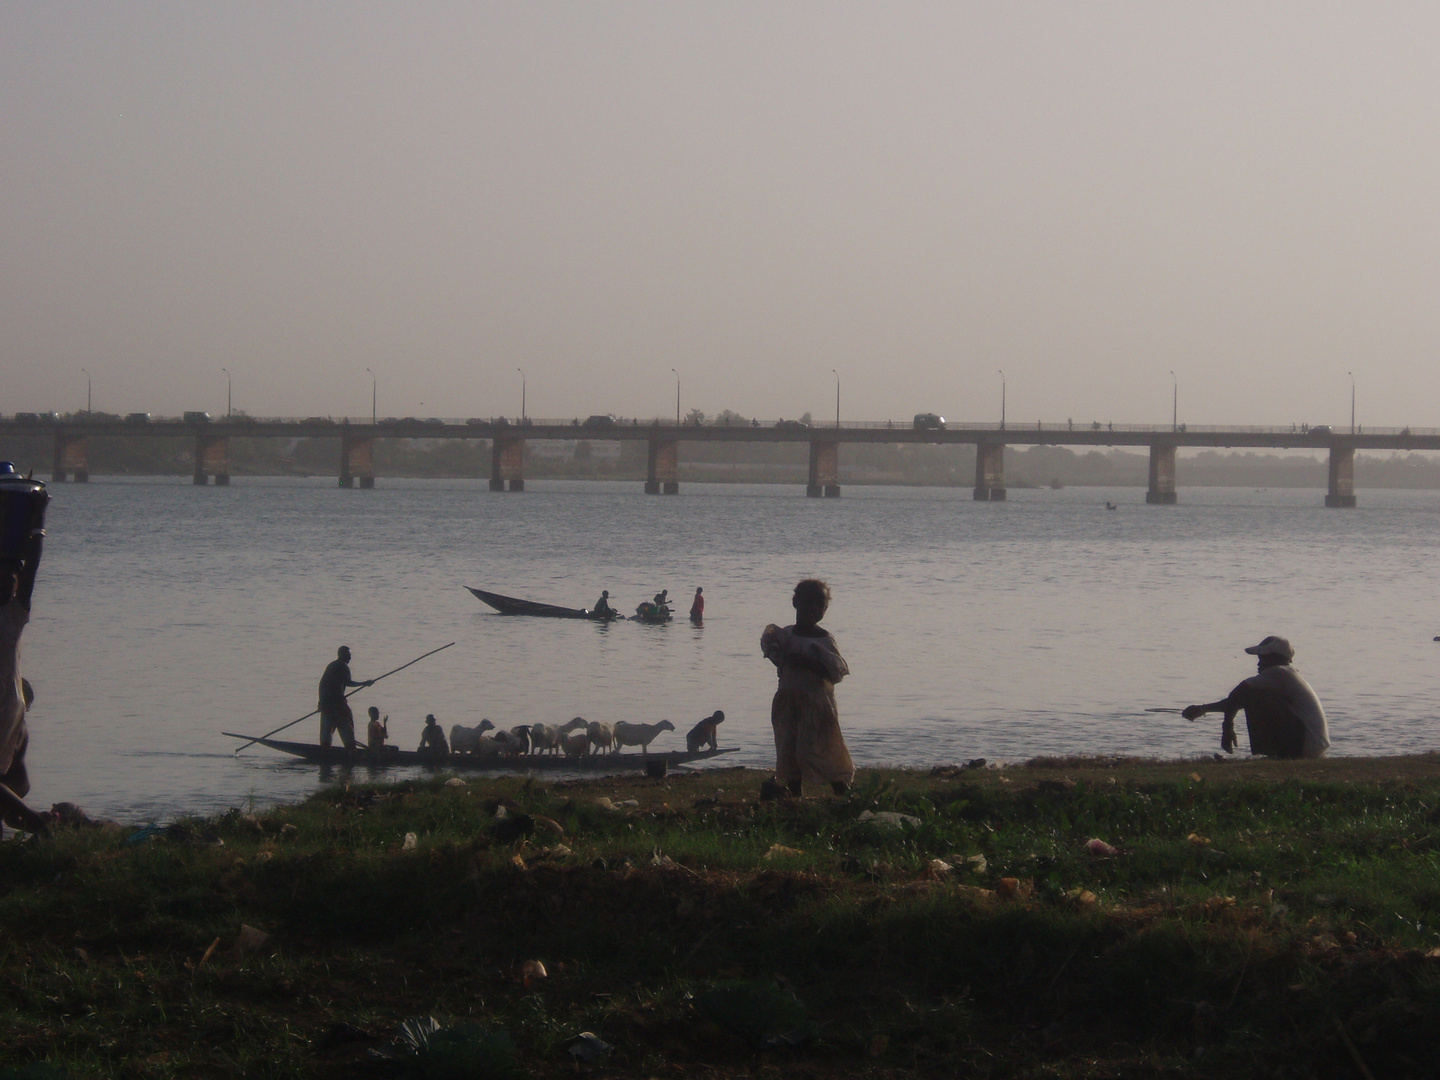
x=509, y=605
x=620, y=762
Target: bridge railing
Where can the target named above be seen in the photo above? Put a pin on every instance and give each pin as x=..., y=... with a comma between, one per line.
x=583, y=429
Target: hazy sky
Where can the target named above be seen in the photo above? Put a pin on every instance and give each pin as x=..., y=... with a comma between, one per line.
x=1087, y=196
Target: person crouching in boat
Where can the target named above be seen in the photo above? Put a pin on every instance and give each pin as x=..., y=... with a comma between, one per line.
x=602, y=608
x=1282, y=713
x=335, y=714
x=377, y=731
x=808, y=743
x=432, y=739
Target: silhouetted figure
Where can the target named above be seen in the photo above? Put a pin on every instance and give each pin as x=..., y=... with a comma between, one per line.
x=432, y=739
x=335, y=714
x=602, y=606
x=697, y=606
x=808, y=743
x=377, y=731
x=1282, y=713
x=703, y=736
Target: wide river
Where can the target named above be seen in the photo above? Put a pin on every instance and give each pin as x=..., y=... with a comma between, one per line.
x=166, y=613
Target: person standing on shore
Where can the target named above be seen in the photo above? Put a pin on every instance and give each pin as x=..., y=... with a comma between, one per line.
x=803, y=713
x=335, y=714
x=697, y=606
x=17, y=585
x=1283, y=715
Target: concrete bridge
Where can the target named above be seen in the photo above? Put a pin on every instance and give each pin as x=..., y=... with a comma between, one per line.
x=356, y=439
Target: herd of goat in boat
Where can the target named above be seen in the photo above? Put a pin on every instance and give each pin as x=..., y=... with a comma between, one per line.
x=578, y=738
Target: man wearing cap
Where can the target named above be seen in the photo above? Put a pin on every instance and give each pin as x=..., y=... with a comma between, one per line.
x=335, y=714
x=1282, y=713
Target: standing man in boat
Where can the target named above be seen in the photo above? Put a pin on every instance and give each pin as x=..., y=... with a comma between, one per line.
x=697, y=606
x=335, y=714
x=1282, y=713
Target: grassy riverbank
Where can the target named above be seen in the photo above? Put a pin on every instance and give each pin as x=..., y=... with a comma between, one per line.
x=1252, y=919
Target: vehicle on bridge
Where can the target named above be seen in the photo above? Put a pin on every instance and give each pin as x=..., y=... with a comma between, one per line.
x=792, y=425
x=138, y=418
x=929, y=421
x=600, y=420
x=196, y=416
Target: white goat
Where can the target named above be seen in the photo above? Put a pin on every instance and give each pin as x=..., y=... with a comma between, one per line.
x=575, y=743
x=464, y=740
x=515, y=742
x=641, y=735
x=602, y=737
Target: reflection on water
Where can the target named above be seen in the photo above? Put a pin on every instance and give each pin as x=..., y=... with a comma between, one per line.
x=167, y=613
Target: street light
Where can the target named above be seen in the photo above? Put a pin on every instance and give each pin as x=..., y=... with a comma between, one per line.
x=1352, y=403
x=87, y=389
x=374, y=395
x=1174, y=402
x=837, y=396
x=522, y=395
x=227, y=392
x=1002, y=400
x=677, y=395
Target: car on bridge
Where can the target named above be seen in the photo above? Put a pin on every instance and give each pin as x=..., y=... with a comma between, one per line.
x=792, y=425
x=196, y=416
x=929, y=421
x=600, y=420
x=1321, y=429
x=138, y=418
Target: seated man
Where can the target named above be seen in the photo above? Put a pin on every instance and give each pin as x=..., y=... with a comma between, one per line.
x=602, y=606
x=1282, y=713
x=432, y=739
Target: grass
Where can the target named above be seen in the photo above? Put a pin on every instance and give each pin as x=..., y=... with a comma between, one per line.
x=1258, y=919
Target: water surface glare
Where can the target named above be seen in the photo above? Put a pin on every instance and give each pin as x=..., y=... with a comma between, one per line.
x=166, y=613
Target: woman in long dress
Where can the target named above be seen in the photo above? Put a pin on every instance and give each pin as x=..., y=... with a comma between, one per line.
x=808, y=743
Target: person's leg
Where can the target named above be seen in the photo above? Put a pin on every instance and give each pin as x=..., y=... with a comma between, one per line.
x=327, y=729
x=787, y=761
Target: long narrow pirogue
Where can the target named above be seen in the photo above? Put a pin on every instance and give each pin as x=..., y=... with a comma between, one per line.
x=338, y=755
x=510, y=605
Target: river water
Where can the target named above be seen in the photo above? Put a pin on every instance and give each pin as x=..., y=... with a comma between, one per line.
x=167, y=613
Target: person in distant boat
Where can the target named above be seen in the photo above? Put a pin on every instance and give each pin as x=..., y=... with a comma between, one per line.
x=808, y=743
x=602, y=606
x=377, y=731
x=662, y=602
x=335, y=714
x=17, y=584
x=432, y=739
x=702, y=735
x=1282, y=713
x=697, y=606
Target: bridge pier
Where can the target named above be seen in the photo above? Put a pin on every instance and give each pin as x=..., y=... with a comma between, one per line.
x=507, y=462
x=824, y=477
x=989, y=472
x=70, y=457
x=1162, y=474
x=212, y=458
x=1342, y=477
x=662, y=467
x=357, y=459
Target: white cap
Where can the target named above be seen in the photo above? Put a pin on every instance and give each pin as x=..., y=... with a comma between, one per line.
x=1272, y=646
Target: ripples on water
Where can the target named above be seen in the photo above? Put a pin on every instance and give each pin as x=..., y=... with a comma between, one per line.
x=1046, y=625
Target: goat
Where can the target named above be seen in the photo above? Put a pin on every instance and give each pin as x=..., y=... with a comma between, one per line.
x=703, y=732
x=544, y=737
x=641, y=735
x=515, y=742
x=464, y=740
x=575, y=743
x=602, y=737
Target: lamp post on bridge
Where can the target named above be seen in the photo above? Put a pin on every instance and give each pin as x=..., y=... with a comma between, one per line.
x=1002, y=400
x=677, y=395
x=226, y=372
x=522, y=395
x=837, y=396
x=374, y=394
x=1174, y=402
x=1352, y=403
x=87, y=388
